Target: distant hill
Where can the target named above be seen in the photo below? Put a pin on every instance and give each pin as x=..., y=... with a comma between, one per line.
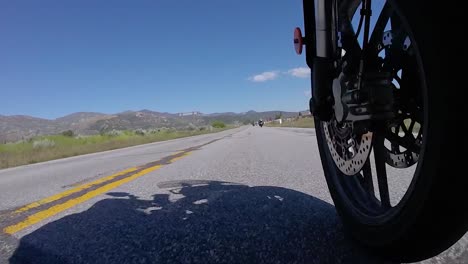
x=80, y=117
x=81, y=122
x=17, y=127
x=146, y=119
x=224, y=114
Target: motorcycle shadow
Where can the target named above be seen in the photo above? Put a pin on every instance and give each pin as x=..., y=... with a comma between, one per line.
x=198, y=222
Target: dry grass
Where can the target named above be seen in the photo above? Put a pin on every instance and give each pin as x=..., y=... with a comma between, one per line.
x=35, y=150
x=304, y=122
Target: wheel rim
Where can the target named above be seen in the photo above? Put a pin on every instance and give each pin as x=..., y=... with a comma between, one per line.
x=397, y=143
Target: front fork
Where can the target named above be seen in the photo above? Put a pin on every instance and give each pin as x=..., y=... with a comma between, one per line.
x=321, y=48
x=370, y=98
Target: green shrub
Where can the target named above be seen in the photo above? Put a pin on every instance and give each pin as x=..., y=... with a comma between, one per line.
x=218, y=124
x=191, y=127
x=68, y=133
x=279, y=115
x=140, y=132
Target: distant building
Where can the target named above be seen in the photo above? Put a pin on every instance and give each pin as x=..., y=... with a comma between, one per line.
x=305, y=113
x=195, y=113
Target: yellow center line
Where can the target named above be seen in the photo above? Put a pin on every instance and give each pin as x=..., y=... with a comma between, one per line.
x=72, y=191
x=181, y=156
x=47, y=213
x=37, y=217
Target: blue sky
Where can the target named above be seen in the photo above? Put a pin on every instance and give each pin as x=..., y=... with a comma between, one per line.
x=59, y=57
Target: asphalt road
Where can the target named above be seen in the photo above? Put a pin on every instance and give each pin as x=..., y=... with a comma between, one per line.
x=249, y=195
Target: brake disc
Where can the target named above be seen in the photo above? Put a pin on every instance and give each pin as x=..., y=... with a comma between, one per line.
x=348, y=150
x=396, y=155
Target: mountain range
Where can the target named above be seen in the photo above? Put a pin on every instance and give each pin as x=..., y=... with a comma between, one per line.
x=17, y=127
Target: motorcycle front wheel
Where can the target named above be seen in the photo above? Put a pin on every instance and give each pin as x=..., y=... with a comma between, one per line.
x=416, y=147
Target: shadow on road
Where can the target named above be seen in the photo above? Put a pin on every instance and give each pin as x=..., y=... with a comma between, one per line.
x=198, y=222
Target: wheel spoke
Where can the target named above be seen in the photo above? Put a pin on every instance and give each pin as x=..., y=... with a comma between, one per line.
x=379, y=153
x=377, y=33
x=395, y=147
x=368, y=182
x=350, y=41
x=396, y=24
x=398, y=79
x=411, y=127
x=403, y=127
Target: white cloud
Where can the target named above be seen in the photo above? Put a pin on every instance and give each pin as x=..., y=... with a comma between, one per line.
x=301, y=72
x=264, y=76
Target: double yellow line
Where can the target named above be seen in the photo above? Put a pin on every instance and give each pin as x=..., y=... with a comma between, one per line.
x=42, y=215
x=72, y=191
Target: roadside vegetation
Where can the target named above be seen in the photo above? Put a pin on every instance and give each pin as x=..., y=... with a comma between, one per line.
x=67, y=144
x=304, y=122
x=218, y=124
